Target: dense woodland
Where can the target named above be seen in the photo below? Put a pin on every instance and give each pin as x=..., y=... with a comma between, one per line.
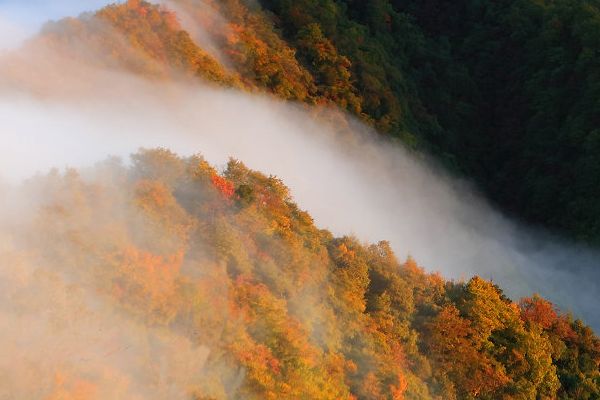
x=503, y=92
x=227, y=261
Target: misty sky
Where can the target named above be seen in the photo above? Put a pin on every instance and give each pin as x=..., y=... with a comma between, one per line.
x=22, y=18
x=33, y=13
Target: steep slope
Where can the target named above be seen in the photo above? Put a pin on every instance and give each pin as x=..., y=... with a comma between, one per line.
x=504, y=93
x=170, y=258
x=245, y=38
x=535, y=110
x=139, y=37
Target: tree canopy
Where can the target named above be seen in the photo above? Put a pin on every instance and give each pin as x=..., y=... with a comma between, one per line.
x=228, y=261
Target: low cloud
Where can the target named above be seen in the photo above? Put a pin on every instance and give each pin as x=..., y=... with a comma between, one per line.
x=348, y=178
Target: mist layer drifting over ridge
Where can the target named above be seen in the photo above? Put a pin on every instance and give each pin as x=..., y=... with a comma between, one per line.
x=57, y=112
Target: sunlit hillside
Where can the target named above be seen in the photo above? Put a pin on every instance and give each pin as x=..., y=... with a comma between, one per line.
x=170, y=279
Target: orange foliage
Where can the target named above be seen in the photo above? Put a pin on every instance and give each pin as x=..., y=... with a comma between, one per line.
x=133, y=4
x=261, y=355
x=371, y=386
x=398, y=390
x=538, y=310
x=224, y=186
x=146, y=281
x=452, y=342
x=68, y=389
x=563, y=329
x=153, y=194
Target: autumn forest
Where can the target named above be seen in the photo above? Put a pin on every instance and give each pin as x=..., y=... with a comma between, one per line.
x=164, y=276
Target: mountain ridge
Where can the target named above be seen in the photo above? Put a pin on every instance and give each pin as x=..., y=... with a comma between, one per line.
x=390, y=65
x=169, y=278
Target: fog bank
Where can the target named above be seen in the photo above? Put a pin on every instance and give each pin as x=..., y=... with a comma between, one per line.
x=350, y=180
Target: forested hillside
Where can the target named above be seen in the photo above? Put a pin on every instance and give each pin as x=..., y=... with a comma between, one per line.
x=227, y=266
x=167, y=278
x=504, y=93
